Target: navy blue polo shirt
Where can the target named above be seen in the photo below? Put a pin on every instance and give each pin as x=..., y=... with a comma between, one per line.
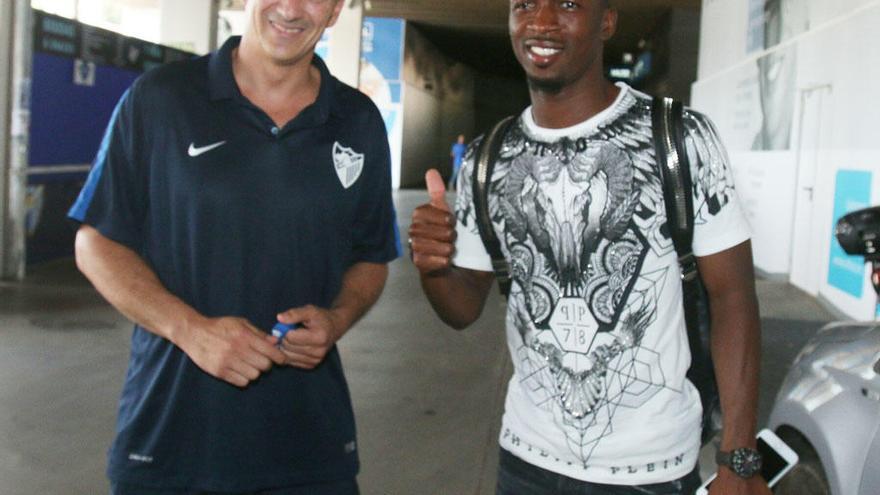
x=238, y=218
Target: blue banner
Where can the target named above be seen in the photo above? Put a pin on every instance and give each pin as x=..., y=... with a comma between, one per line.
x=852, y=192
x=382, y=46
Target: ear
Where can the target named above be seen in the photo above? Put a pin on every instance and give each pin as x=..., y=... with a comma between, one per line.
x=340, y=4
x=609, y=23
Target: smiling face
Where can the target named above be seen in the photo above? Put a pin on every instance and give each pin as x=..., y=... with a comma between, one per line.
x=286, y=31
x=559, y=42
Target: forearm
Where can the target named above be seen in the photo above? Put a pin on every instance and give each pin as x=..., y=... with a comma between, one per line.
x=362, y=285
x=457, y=294
x=131, y=286
x=736, y=351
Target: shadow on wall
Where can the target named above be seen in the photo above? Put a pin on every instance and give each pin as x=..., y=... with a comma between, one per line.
x=443, y=99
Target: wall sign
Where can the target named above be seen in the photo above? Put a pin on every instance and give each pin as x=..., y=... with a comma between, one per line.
x=852, y=191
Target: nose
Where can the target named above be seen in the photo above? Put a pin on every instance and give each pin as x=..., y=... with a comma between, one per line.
x=290, y=9
x=545, y=18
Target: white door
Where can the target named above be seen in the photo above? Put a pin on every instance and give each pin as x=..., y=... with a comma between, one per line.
x=806, y=265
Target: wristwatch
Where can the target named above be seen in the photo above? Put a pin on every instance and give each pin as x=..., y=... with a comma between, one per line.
x=744, y=462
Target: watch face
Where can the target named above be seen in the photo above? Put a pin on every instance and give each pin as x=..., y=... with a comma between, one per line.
x=745, y=462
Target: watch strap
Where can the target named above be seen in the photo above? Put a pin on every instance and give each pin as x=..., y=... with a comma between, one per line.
x=725, y=458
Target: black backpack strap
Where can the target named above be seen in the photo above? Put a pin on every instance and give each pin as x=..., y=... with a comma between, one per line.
x=675, y=170
x=486, y=156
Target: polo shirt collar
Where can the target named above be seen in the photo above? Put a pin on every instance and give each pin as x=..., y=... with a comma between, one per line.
x=221, y=81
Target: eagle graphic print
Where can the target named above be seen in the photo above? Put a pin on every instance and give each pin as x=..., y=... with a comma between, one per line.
x=578, y=216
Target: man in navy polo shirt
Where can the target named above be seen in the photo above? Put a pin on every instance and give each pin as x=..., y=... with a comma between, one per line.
x=232, y=192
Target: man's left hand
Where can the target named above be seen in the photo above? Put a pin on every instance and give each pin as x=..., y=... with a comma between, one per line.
x=306, y=346
x=728, y=483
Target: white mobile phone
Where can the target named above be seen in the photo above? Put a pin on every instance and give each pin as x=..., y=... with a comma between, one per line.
x=777, y=459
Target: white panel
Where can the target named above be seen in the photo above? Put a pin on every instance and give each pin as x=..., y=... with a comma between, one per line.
x=733, y=103
x=764, y=185
x=813, y=127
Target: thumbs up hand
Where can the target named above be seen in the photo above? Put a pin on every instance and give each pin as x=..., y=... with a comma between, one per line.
x=432, y=232
x=436, y=189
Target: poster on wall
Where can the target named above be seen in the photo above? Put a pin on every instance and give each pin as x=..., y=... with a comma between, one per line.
x=382, y=44
x=852, y=191
x=772, y=22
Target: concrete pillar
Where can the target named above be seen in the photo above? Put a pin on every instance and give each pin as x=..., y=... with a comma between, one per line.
x=15, y=81
x=344, y=55
x=190, y=25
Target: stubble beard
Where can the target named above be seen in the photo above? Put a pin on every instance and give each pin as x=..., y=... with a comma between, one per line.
x=547, y=86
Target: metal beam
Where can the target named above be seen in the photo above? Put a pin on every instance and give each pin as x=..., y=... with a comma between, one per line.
x=16, y=59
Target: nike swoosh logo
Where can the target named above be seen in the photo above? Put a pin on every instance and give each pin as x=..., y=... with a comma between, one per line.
x=194, y=152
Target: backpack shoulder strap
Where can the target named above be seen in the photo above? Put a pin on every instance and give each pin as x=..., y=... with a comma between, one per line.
x=486, y=156
x=668, y=128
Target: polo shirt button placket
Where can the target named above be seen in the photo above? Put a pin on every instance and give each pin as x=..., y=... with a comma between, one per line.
x=275, y=131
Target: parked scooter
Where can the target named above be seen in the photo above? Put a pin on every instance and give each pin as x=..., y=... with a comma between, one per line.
x=828, y=408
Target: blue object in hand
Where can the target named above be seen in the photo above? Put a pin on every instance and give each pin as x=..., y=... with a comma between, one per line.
x=281, y=329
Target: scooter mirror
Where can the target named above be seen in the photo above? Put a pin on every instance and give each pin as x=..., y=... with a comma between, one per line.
x=859, y=233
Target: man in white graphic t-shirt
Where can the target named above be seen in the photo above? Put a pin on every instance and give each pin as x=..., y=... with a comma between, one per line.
x=598, y=402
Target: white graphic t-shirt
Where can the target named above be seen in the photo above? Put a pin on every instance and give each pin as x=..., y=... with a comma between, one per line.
x=595, y=322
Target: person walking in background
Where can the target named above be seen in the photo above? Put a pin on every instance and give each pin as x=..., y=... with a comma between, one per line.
x=458, y=150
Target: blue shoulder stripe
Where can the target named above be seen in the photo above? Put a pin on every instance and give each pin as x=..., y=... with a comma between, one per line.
x=81, y=206
x=397, y=246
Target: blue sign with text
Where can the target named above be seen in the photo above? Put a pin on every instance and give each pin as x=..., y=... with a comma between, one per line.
x=852, y=192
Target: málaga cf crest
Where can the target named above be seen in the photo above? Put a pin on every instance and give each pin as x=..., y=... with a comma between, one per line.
x=348, y=164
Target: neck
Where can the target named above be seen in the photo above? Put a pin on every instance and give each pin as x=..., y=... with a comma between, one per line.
x=256, y=74
x=561, y=107
x=281, y=91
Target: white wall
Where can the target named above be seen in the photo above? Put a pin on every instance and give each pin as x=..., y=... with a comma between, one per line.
x=188, y=25
x=833, y=107
x=344, y=55
x=421, y=133
x=438, y=106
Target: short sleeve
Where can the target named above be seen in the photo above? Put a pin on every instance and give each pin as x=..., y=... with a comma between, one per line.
x=376, y=235
x=114, y=199
x=719, y=220
x=469, y=249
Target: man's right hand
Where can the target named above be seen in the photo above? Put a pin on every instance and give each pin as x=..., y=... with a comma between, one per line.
x=432, y=233
x=230, y=349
